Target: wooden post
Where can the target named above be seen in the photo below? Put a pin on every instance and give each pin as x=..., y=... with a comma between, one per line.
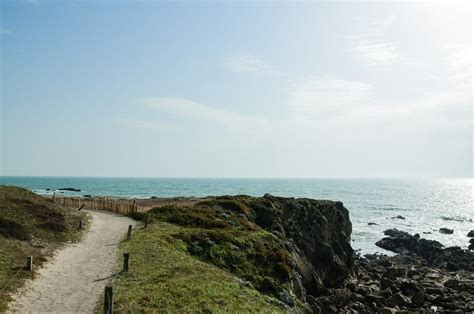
x=109, y=300
x=54, y=196
x=126, y=257
x=29, y=263
x=146, y=221
x=129, y=234
x=80, y=224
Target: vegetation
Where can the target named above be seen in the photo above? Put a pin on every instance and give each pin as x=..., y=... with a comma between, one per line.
x=165, y=277
x=208, y=257
x=30, y=225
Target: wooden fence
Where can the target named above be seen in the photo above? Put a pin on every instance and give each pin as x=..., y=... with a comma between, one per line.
x=120, y=206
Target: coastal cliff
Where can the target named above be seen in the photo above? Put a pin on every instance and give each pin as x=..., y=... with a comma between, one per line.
x=297, y=252
x=292, y=249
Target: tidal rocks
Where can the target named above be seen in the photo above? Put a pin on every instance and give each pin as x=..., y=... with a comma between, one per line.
x=431, y=251
x=399, y=217
x=471, y=234
x=70, y=189
x=402, y=242
x=446, y=231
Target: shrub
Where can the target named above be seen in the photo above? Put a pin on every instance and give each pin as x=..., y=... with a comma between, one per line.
x=12, y=229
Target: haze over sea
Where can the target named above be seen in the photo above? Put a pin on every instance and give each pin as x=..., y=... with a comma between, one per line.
x=426, y=205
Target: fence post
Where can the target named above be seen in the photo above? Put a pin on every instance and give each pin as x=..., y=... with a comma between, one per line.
x=125, y=262
x=129, y=234
x=54, y=196
x=146, y=221
x=80, y=224
x=109, y=300
x=29, y=263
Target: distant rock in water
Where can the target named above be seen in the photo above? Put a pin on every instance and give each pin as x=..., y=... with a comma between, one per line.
x=446, y=231
x=399, y=217
x=70, y=189
x=372, y=224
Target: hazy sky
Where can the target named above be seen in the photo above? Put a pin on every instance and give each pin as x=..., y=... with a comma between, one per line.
x=236, y=90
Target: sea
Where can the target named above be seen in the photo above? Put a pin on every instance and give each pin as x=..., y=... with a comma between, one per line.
x=417, y=206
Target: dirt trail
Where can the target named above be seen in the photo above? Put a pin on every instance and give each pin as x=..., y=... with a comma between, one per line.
x=74, y=280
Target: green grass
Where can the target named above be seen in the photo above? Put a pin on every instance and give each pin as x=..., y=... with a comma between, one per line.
x=30, y=225
x=165, y=277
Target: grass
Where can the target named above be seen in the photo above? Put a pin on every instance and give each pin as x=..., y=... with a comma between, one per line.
x=30, y=226
x=165, y=277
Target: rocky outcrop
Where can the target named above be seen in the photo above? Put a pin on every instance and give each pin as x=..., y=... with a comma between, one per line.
x=317, y=234
x=290, y=248
x=423, y=275
x=431, y=251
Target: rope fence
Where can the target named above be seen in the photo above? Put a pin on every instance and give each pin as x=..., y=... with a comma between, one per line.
x=25, y=264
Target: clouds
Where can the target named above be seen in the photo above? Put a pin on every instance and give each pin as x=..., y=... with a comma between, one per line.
x=375, y=53
x=326, y=97
x=195, y=110
x=245, y=63
x=372, y=47
x=460, y=56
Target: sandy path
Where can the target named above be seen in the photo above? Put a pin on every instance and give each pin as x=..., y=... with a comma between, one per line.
x=74, y=280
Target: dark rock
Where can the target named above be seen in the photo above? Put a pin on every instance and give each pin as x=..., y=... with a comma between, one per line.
x=452, y=266
x=386, y=310
x=385, y=283
x=396, y=233
x=386, y=293
x=471, y=234
x=419, y=298
x=319, y=230
x=402, y=242
x=70, y=189
x=399, y=299
x=398, y=217
x=446, y=231
x=451, y=283
x=286, y=297
x=372, y=224
x=409, y=288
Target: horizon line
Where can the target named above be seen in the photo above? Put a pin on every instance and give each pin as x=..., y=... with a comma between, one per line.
x=228, y=177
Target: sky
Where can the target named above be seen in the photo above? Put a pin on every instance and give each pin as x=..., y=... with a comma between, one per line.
x=236, y=89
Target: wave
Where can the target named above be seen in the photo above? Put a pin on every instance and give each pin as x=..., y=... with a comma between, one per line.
x=458, y=219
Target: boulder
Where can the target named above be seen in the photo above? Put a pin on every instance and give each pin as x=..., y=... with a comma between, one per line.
x=399, y=299
x=446, y=231
x=471, y=234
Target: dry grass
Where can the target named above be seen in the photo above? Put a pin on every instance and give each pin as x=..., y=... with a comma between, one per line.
x=30, y=226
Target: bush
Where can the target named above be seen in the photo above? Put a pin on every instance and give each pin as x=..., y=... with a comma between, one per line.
x=12, y=229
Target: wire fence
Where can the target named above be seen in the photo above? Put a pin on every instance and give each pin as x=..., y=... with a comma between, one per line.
x=14, y=276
